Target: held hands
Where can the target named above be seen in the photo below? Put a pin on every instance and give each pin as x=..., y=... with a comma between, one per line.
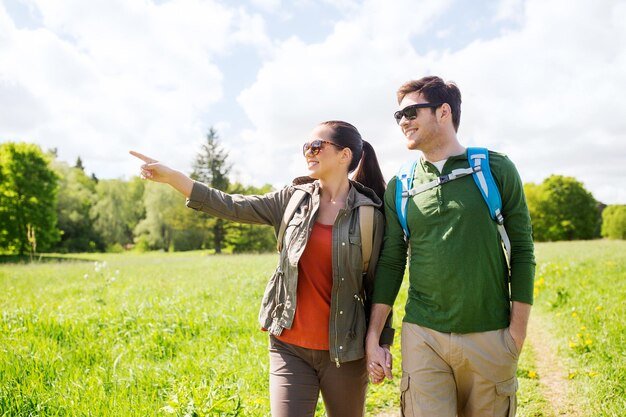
x=152, y=169
x=379, y=362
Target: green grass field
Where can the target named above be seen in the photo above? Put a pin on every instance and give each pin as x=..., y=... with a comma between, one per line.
x=581, y=301
x=163, y=334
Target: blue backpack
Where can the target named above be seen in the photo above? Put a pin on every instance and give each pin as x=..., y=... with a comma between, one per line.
x=478, y=159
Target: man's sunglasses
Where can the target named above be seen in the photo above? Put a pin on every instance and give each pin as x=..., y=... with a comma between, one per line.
x=315, y=146
x=410, y=112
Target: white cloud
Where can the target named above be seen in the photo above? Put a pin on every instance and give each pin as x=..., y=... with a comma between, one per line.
x=267, y=5
x=509, y=10
x=546, y=94
x=351, y=75
x=106, y=76
x=100, y=77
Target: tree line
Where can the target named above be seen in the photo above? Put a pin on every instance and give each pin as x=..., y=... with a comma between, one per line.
x=46, y=205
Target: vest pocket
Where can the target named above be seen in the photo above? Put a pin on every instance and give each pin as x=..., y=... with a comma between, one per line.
x=356, y=254
x=358, y=327
x=293, y=235
x=271, y=307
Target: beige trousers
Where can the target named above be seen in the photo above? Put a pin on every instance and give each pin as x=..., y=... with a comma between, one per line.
x=464, y=375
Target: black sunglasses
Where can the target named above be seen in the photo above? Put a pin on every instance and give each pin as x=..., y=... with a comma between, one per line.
x=410, y=112
x=315, y=146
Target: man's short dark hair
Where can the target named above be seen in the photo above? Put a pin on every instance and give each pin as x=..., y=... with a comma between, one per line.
x=435, y=90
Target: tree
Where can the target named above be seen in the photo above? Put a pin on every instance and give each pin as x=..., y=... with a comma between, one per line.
x=79, y=164
x=168, y=224
x=28, y=194
x=211, y=167
x=117, y=211
x=77, y=195
x=152, y=232
x=614, y=222
x=250, y=237
x=561, y=209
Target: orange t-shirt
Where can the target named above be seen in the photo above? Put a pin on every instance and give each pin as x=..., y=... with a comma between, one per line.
x=315, y=283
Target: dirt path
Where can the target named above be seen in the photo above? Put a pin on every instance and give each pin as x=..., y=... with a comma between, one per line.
x=551, y=370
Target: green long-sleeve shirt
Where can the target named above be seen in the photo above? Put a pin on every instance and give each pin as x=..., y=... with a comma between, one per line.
x=458, y=277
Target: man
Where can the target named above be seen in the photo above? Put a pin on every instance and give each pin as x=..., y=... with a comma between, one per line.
x=466, y=313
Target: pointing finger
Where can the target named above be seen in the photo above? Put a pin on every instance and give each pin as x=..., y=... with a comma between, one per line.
x=142, y=157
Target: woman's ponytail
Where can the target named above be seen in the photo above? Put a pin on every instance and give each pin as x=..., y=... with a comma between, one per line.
x=364, y=163
x=368, y=172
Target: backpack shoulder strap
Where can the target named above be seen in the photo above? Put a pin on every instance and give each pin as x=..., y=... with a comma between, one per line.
x=479, y=157
x=404, y=182
x=366, y=223
x=485, y=182
x=294, y=202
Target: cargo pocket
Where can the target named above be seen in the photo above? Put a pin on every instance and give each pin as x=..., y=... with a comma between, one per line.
x=406, y=402
x=510, y=343
x=506, y=398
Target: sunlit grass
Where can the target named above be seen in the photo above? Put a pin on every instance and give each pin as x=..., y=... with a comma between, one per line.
x=155, y=334
x=163, y=334
x=581, y=299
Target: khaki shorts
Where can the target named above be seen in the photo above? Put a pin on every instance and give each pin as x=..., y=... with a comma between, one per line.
x=464, y=375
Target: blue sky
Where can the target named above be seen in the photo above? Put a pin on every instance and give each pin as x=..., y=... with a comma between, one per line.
x=540, y=80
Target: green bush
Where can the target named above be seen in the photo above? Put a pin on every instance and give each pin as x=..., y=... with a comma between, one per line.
x=562, y=209
x=614, y=222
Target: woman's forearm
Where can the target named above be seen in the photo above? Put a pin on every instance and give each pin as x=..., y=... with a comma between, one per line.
x=181, y=183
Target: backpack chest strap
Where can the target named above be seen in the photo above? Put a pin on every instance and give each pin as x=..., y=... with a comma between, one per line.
x=456, y=173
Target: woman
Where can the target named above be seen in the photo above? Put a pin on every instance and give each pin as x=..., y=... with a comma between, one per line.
x=318, y=345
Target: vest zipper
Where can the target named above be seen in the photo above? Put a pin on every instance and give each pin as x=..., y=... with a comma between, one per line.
x=340, y=215
x=336, y=335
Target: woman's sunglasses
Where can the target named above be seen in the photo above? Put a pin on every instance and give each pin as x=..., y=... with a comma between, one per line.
x=410, y=112
x=315, y=146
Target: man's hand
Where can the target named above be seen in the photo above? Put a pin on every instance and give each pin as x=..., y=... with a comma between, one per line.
x=518, y=338
x=520, y=312
x=379, y=362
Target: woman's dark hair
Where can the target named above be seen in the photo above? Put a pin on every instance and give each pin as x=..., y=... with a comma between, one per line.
x=364, y=159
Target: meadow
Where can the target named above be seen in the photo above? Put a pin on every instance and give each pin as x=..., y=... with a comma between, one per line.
x=175, y=334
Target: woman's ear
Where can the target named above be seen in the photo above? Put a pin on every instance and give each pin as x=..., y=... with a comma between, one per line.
x=346, y=155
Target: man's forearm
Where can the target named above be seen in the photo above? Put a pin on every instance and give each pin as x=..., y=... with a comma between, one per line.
x=520, y=312
x=378, y=317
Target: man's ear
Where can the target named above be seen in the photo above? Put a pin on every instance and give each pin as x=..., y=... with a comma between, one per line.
x=445, y=112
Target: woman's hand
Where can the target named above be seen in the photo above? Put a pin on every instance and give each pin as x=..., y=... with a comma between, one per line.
x=153, y=170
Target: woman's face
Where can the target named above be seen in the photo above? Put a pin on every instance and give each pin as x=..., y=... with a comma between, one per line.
x=325, y=159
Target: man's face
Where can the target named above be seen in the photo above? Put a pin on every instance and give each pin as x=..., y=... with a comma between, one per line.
x=422, y=131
